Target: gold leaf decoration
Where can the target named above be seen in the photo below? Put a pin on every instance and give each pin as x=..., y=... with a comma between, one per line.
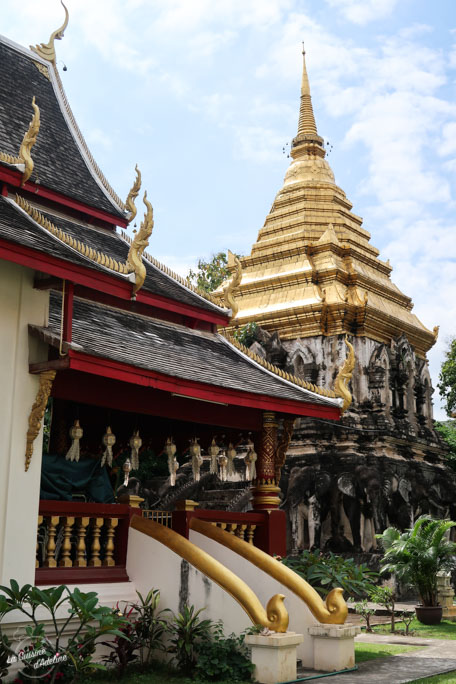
x=37, y=412
x=344, y=376
x=132, y=195
x=47, y=50
x=140, y=241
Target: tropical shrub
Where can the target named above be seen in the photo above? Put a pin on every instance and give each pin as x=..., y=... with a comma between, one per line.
x=56, y=656
x=385, y=597
x=326, y=571
x=365, y=612
x=418, y=554
x=188, y=633
x=224, y=658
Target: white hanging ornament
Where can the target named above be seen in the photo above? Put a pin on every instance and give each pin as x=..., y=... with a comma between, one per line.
x=173, y=465
x=126, y=468
x=213, y=453
x=222, y=461
x=197, y=459
x=76, y=433
x=108, y=441
x=135, y=444
x=250, y=458
x=231, y=454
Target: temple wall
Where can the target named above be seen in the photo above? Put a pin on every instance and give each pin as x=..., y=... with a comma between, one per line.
x=20, y=305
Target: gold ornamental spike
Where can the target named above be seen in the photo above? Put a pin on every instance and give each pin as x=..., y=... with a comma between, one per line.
x=28, y=142
x=232, y=284
x=132, y=195
x=47, y=50
x=344, y=376
x=140, y=242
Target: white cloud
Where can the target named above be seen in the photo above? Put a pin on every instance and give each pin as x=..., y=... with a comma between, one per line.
x=364, y=11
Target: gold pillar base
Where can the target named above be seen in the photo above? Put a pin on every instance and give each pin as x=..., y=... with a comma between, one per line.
x=130, y=499
x=265, y=496
x=186, y=505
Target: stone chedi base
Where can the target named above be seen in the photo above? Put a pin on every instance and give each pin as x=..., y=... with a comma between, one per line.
x=274, y=656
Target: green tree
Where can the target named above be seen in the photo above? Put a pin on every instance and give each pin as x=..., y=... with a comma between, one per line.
x=210, y=274
x=447, y=430
x=447, y=378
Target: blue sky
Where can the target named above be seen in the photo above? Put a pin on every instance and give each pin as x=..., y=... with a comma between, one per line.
x=203, y=95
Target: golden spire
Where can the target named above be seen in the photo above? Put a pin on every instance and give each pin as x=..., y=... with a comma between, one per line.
x=307, y=128
x=47, y=50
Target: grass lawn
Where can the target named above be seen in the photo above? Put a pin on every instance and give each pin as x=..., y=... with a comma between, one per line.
x=370, y=651
x=445, y=630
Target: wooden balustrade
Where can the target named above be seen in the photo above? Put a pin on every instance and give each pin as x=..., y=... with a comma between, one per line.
x=162, y=517
x=80, y=543
x=244, y=531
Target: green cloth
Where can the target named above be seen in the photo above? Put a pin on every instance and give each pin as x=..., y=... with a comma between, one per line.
x=60, y=479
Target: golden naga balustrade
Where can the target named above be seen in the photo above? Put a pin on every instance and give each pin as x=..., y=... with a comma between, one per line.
x=333, y=611
x=274, y=617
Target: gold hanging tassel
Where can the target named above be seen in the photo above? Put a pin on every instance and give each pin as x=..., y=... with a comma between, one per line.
x=213, y=453
x=108, y=441
x=197, y=459
x=222, y=461
x=231, y=454
x=173, y=465
x=76, y=433
x=250, y=458
x=135, y=444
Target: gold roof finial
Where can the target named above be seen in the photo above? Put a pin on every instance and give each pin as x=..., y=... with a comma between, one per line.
x=132, y=195
x=140, y=242
x=307, y=128
x=47, y=50
x=344, y=376
x=232, y=284
x=27, y=143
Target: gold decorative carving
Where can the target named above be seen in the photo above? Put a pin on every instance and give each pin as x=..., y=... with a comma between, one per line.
x=27, y=143
x=275, y=369
x=275, y=617
x=92, y=254
x=282, y=447
x=232, y=284
x=435, y=331
x=47, y=50
x=344, y=376
x=132, y=195
x=333, y=611
x=42, y=69
x=265, y=490
x=140, y=242
x=37, y=412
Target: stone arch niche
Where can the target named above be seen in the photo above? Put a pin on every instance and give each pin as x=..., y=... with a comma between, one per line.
x=302, y=362
x=379, y=371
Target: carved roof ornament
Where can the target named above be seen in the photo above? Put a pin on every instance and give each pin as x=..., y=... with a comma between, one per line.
x=140, y=242
x=24, y=158
x=47, y=50
x=232, y=284
x=37, y=412
x=132, y=195
x=435, y=330
x=344, y=376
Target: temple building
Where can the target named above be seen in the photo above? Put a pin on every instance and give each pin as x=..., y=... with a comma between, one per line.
x=312, y=278
x=114, y=369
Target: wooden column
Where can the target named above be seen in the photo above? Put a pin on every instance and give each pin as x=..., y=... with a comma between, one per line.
x=265, y=490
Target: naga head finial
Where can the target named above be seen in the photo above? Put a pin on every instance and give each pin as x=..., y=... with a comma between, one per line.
x=344, y=376
x=139, y=244
x=132, y=195
x=47, y=50
x=232, y=284
x=27, y=143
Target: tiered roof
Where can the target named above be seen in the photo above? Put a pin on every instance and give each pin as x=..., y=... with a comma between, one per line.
x=312, y=270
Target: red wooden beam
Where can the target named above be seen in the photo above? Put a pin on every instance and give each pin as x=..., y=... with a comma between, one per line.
x=14, y=178
x=197, y=390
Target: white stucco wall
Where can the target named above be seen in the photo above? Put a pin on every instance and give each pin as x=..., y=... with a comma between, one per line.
x=20, y=305
x=265, y=587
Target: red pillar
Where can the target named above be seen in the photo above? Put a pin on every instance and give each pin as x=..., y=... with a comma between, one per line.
x=265, y=490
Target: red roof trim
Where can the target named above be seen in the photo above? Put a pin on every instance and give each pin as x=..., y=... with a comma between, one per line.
x=96, y=280
x=14, y=178
x=147, y=378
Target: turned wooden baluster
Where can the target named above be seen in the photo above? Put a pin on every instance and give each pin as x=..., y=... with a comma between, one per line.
x=81, y=560
x=50, y=561
x=250, y=532
x=240, y=532
x=40, y=522
x=232, y=527
x=111, y=530
x=95, y=560
x=65, y=561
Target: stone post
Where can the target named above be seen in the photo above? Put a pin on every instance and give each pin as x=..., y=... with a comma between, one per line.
x=274, y=656
x=445, y=596
x=334, y=646
x=265, y=489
